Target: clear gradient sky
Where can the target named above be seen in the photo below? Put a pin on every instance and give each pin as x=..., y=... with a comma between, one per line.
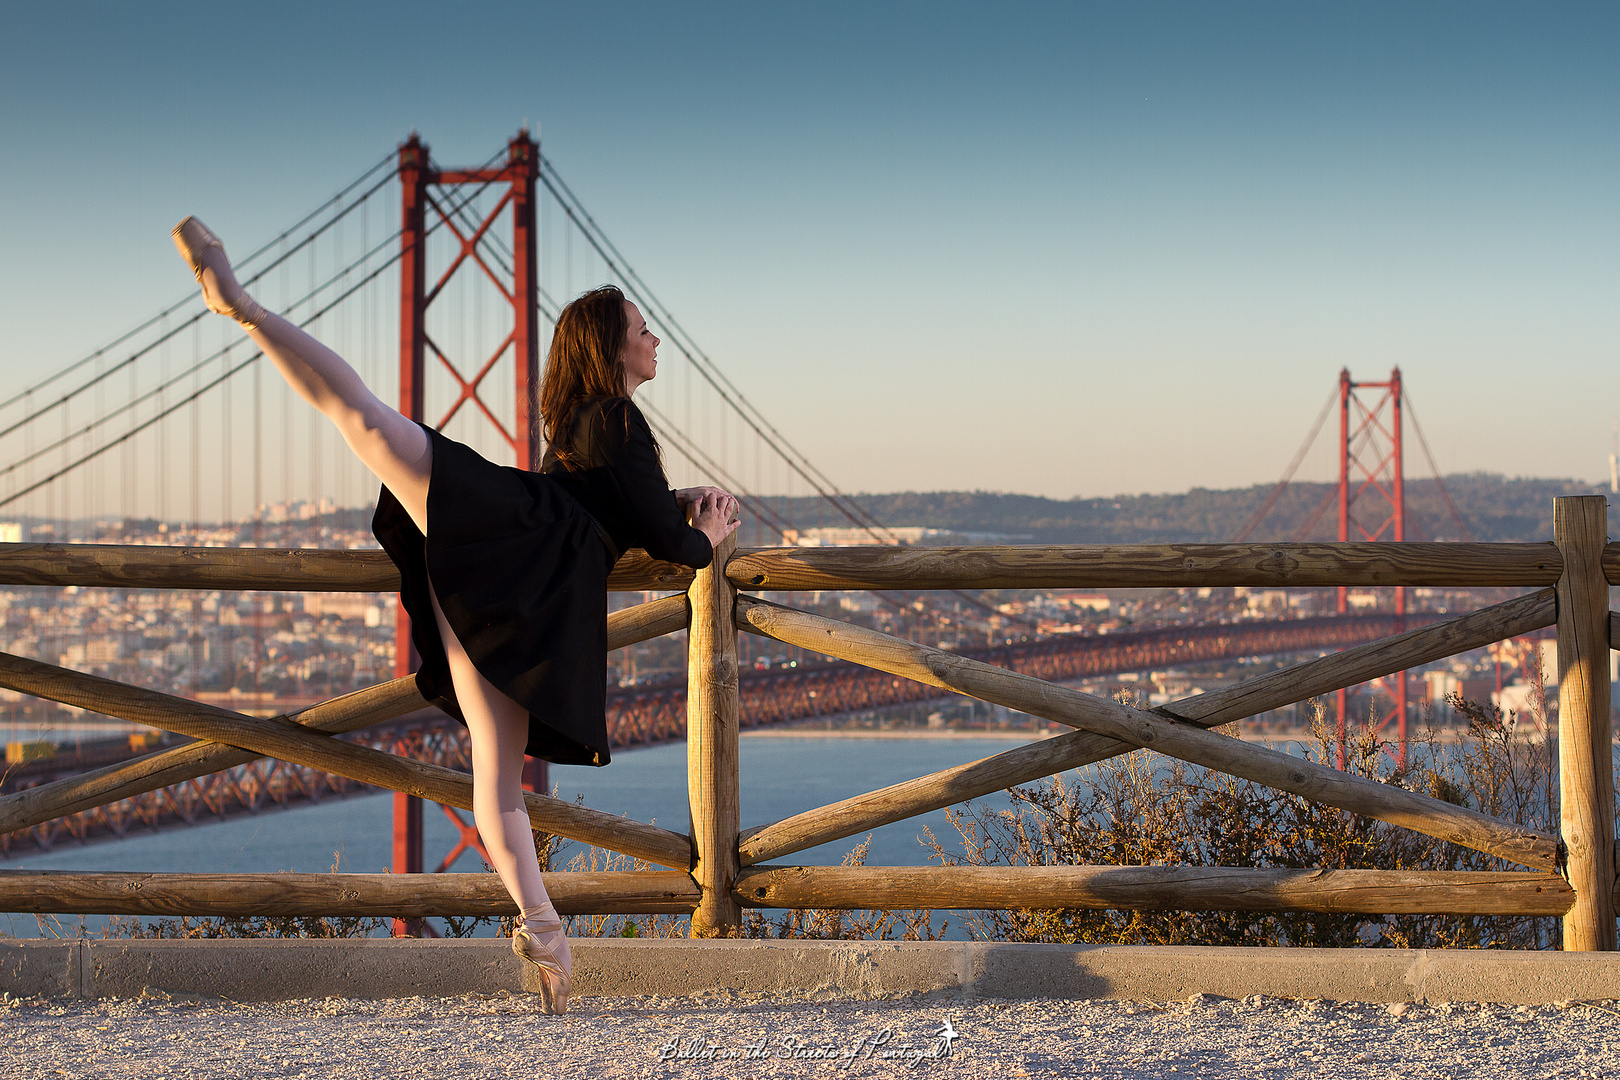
x=1072, y=249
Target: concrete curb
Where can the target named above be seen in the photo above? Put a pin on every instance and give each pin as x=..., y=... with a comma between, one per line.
x=377, y=968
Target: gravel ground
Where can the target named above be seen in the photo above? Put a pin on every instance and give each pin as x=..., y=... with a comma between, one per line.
x=504, y=1036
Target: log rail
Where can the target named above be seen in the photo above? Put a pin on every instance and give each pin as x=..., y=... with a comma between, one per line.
x=722, y=867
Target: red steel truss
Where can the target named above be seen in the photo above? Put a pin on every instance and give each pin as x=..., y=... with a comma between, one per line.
x=638, y=716
x=1371, y=463
x=425, y=188
x=250, y=788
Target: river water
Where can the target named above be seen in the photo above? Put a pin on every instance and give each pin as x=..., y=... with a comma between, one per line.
x=781, y=775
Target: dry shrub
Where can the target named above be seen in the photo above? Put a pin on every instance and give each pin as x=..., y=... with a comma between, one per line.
x=1142, y=809
x=187, y=927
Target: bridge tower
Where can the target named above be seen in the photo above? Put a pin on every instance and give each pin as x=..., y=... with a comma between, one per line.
x=1371, y=463
x=423, y=189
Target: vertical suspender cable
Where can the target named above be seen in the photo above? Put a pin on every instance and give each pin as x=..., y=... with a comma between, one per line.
x=196, y=430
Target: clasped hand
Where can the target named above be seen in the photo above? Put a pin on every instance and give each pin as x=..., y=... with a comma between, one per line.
x=713, y=512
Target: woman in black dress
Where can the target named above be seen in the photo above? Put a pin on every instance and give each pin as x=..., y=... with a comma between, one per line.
x=507, y=588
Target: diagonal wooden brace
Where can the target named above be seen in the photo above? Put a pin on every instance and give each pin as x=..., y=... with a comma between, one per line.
x=1137, y=727
x=126, y=779
x=1028, y=763
x=281, y=738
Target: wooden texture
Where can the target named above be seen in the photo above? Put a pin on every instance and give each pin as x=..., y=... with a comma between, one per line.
x=636, y=571
x=644, y=622
x=1155, y=888
x=711, y=744
x=126, y=779
x=281, y=738
x=66, y=892
x=1611, y=563
x=1146, y=566
x=1028, y=763
x=1176, y=738
x=137, y=566
x=351, y=712
x=1585, y=735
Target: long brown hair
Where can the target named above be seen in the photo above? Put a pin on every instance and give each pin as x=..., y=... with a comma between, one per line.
x=586, y=362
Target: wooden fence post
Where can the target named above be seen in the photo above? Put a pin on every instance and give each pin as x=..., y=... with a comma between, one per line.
x=1585, y=739
x=711, y=744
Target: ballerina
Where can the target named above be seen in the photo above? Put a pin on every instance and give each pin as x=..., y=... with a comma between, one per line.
x=503, y=571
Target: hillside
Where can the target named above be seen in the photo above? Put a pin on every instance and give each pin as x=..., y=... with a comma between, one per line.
x=1495, y=508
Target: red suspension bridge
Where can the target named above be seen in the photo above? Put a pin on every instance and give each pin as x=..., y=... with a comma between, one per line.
x=175, y=423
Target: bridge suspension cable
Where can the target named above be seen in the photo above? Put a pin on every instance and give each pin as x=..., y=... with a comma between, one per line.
x=729, y=393
x=164, y=389
x=167, y=382
x=1451, y=507
x=191, y=300
x=1288, y=473
x=700, y=360
x=189, y=399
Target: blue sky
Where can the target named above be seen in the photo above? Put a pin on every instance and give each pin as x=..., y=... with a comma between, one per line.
x=1076, y=249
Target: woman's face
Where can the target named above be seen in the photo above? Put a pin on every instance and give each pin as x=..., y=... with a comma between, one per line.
x=640, y=351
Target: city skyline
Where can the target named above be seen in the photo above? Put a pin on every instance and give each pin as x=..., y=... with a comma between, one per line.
x=1063, y=250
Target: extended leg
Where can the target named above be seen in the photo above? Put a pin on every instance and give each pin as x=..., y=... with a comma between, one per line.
x=392, y=447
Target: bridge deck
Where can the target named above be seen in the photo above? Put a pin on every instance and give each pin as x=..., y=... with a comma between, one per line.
x=651, y=715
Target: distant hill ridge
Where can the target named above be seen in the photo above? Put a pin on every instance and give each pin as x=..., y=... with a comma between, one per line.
x=1494, y=507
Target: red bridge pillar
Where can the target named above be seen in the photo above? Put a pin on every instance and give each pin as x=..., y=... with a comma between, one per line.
x=1370, y=457
x=420, y=181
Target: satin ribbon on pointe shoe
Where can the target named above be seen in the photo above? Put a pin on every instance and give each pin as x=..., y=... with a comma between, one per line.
x=192, y=238
x=557, y=985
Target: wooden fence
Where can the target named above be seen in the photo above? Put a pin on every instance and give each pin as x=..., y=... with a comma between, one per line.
x=722, y=867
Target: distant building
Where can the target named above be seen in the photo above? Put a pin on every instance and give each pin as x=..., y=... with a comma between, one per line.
x=12, y=532
x=900, y=534
x=343, y=605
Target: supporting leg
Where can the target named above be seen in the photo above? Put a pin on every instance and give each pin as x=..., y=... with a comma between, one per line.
x=499, y=730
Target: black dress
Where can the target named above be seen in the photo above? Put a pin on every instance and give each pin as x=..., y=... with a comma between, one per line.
x=520, y=560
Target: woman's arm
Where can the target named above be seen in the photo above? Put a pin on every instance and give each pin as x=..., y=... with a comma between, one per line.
x=648, y=500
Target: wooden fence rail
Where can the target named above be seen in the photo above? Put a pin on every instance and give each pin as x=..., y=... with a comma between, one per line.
x=284, y=739
x=1150, y=566
x=412, y=896
x=1276, y=566
x=137, y=566
x=1158, y=888
x=719, y=869
x=1140, y=888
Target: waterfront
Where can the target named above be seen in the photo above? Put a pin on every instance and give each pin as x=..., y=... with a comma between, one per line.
x=780, y=776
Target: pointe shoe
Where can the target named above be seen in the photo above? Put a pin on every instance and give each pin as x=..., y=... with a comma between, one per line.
x=555, y=982
x=193, y=240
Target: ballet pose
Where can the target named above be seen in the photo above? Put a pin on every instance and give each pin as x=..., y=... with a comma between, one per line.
x=503, y=571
